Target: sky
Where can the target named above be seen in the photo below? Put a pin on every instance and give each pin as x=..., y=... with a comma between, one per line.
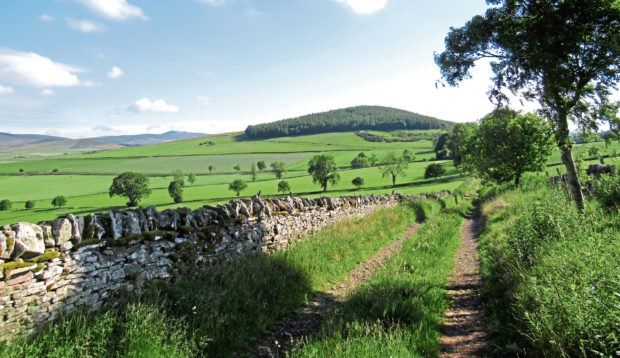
x=85, y=68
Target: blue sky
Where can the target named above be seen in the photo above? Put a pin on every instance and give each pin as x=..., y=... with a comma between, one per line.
x=81, y=68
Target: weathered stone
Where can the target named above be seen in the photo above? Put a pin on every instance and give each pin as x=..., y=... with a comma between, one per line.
x=61, y=229
x=31, y=236
x=76, y=237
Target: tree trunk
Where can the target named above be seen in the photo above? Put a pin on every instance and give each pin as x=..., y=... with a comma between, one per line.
x=518, y=179
x=325, y=187
x=567, y=158
x=393, y=181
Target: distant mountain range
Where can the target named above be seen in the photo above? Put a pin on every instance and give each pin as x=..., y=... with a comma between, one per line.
x=35, y=143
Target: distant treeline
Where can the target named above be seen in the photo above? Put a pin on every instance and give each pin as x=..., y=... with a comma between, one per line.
x=346, y=120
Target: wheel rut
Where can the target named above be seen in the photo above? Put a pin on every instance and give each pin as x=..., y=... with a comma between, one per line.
x=464, y=328
x=292, y=330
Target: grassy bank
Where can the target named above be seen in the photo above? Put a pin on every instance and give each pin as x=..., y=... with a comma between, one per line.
x=222, y=309
x=551, y=274
x=398, y=313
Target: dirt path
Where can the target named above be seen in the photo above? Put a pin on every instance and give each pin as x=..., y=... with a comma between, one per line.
x=307, y=319
x=464, y=325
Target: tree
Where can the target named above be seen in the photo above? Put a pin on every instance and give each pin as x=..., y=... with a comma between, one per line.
x=237, y=186
x=358, y=182
x=191, y=178
x=284, y=187
x=361, y=161
x=237, y=167
x=323, y=169
x=441, y=148
x=563, y=54
x=507, y=144
x=5, y=204
x=408, y=156
x=373, y=159
x=134, y=186
x=29, y=204
x=393, y=166
x=59, y=201
x=434, y=170
x=21, y=170
x=253, y=171
x=178, y=177
x=261, y=165
x=211, y=168
x=278, y=168
x=457, y=141
x=176, y=191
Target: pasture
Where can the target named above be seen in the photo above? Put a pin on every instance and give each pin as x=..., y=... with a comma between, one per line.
x=85, y=179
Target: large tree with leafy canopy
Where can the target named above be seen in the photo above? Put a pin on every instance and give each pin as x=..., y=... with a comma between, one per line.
x=508, y=144
x=565, y=54
x=134, y=186
x=324, y=170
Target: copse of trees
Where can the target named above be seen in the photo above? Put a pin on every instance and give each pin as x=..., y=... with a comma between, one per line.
x=346, y=120
x=505, y=145
x=361, y=161
x=324, y=170
x=133, y=186
x=562, y=54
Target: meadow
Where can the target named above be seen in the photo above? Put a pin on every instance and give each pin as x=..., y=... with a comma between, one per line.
x=85, y=179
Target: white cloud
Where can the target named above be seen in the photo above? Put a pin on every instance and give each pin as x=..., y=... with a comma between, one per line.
x=213, y=2
x=114, y=9
x=33, y=70
x=85, y=25
x=46, y=18
x=90, y=84
x=47, y=92
x=364, y=6
x=115, y=73
x=204, y=100
x=146, y=105
x=6, y=89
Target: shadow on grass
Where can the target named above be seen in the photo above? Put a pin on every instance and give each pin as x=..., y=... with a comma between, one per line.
x=212, y=313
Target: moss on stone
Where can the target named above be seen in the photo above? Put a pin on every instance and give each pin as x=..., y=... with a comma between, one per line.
x=88, y=242
x=184, y=229
x=40, y=266
x=48, y=255
x=10, y=266
x=124, y=241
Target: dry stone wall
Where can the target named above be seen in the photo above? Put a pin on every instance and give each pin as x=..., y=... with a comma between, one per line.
x=56, y=266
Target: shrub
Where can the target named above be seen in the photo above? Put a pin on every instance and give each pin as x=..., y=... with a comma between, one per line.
x=176, y=191
x=29, y=204
x=434, y=171
x=358, y=182
x=5, y=204
x=607, y=190
x=284, y=186
x=59, y=201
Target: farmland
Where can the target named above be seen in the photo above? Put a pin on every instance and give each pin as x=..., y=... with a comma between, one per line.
x=84, y=179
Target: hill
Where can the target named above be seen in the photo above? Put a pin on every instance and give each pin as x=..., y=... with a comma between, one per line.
x=146, y=139
x=8, y=140
x=346, y=120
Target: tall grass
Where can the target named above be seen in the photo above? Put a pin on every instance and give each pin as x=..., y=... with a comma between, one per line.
x=223, y=309
x=551, y=275
x=398, y=313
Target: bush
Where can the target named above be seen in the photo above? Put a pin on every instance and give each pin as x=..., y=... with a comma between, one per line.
x=176, y=191
x=284, y=186
x=434, y=171
x=5, y=204
x=358, y=182
x=607, y=190
x=29, y=204
x=59, y=201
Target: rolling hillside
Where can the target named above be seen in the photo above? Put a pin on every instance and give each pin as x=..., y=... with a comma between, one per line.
x=346, y=120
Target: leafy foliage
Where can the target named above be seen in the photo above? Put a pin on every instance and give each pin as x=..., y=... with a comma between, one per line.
x=345, y=120
x=394, y=166
x=5, y=204
x=59, y=201
x=30, y=204
x=607, y=190
x=261, y=165
x=253, y=171
x=191, y=178
x=434, y=170
x=134, y=186
x=361, y=161
x=563, y=54
x=284, y=187
x=358, y=182
x=278, y=168
x=237, y=186
x=324, y=170
x=176, y=191
x=178, y=176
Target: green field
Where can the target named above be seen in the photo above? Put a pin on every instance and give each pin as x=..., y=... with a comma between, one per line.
x=85, y=179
